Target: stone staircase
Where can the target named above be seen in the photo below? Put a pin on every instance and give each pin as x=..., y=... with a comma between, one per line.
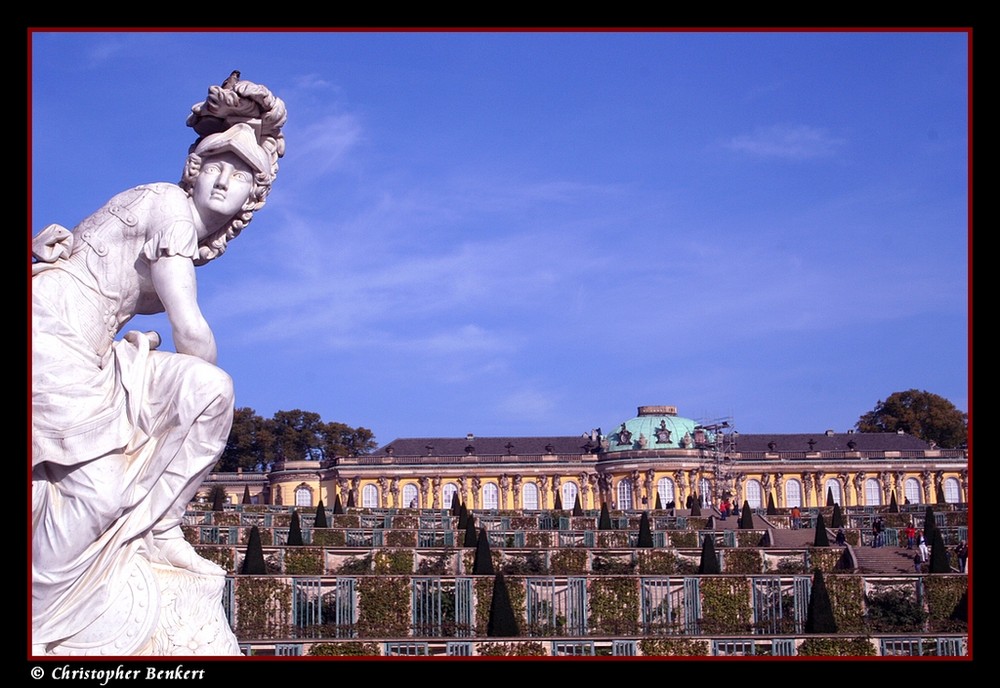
x=884, y=559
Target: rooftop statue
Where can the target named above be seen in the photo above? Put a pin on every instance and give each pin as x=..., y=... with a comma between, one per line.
x=123, y=434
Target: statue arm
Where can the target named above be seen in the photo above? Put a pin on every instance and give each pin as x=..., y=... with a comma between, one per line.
x=174, y=280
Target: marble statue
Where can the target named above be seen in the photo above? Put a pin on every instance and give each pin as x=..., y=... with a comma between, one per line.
x=123, y=434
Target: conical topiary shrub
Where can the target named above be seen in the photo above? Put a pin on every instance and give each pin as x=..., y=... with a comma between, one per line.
x=838, y=517
x=350, y=499
x=483, y=563
x=658, y=506
x=320, y=521
x=893, y=506
x=338, y=508
x=929, y=525
x=604, y=522
x=246, y=495
x=463, y=517
x=746, y=516
x=253, y=560
x=771, y=509
x=218, y=497
x=829, y=496
x=819, y=616
x=696, y=505
x=939, y=555
x=577, y=507
x=939, y=495
x=558, y=503
x=645, y=534
x=471, y=538
x=709, y=560
x=456, y=503
x=502, y=623
x=295, y=532
x=821, y=539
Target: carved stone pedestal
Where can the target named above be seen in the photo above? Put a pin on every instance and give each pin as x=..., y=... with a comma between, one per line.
x=159, y=611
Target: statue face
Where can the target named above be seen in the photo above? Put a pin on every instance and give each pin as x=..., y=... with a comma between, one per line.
x=221, y=188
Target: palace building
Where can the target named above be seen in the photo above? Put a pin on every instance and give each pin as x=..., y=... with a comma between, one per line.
x=653, y=459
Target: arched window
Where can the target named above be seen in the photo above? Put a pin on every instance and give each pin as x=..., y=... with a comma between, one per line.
x=752, y=493
x=569, y=493
x=369, y=497
x=529, y=497
x=303, y=496
x=665, y=488
x=625, y=494
x=448, y=495
x=912, y=491
x=833, y=487
x=410, y=500
x=873, y=494
x=951, y=493
x=793, y=493
x=705, y=492
x=491, y=496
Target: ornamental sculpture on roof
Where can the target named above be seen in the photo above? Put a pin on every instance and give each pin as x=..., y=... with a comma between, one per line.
x=123, y=434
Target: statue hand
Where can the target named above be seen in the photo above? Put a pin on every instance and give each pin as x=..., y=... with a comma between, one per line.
x=154, y=338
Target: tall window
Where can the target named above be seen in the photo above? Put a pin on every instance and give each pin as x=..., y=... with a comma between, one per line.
x=665, y=488
x=491, y=496
x=625, y=494
x=369, y=497
x=529, y=496
x=912, y=491
x=410, y=496
x=833, y=487
x=873, y=495
x=752, y=493
x=951, y=493
x=569, y=493
x=448, y=495
x=303, y=496
x=793, y=493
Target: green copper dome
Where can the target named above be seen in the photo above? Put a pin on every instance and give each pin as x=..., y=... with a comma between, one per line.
x=655, y=427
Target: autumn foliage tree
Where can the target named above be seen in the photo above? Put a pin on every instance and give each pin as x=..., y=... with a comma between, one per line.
x=928, y=416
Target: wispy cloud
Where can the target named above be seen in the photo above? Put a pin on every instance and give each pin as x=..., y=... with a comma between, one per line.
x=791, y=142
x=324, y=144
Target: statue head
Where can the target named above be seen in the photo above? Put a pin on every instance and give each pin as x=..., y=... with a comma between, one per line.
x=241, y=141
x=245, y=121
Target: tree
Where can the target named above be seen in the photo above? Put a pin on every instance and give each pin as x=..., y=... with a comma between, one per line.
x=248, y=443
x=294, y=532
x=645, y=534
x=246, y=495
x=320, y=521
x=604, y=521
x=502, y=623
x=821, y=539
x=483, y=563
x=819, y=616
x=746, y=516
x=709, y=561
x=253, y=560
x=219, y=497
x=838, y=517
x=928, y=416
x=939, y=555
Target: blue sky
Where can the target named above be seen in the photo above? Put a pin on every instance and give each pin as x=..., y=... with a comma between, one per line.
x=534, y=233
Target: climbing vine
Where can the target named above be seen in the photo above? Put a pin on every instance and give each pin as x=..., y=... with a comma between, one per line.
x=223, y=556
x=684, y=538
x=327, y=537
x=302, y=561
x=383, y=607
x=836, y=647
x=352, y=649
x=656, y=562
x=263, y=608
x=568, y=561
x=745, y=561
x=614, y=606
x=393, y=561
x=725, y=605
x=946, y=602
x=846, y=598
x=673, y=647
x=401, y=538
x=523, y=649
